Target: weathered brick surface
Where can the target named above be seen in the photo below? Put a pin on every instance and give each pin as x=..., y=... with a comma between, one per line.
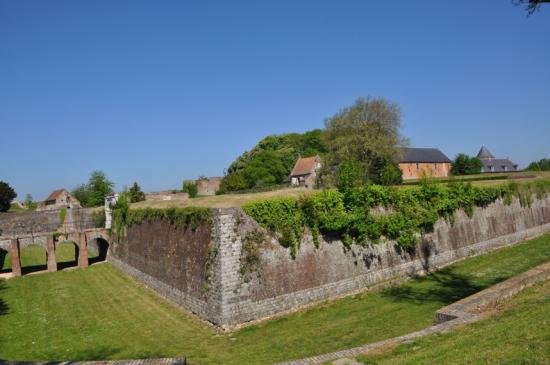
x=282, y=284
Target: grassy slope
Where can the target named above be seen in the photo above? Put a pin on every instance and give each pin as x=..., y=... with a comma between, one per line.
x=519, y=333
x=222, y=201
x=100, y=313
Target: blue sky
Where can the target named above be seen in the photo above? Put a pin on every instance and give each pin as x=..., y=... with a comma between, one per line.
x=159, y=91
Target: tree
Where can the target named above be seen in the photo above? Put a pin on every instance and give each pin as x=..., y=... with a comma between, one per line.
x=390, y=174
x=271, y=160
x=350, y=175
x=466, y=165
x=531, y=6
x=541, y=165
x=135, y=194
x=29, y=203
x=94, y=192
x=367, y=132
x=7, y=194
x=190, y=187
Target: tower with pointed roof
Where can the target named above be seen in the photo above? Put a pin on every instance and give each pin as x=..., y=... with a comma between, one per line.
x=492, y=164
x=484, y=153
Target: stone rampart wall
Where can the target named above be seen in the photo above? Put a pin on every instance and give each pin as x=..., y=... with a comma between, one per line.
x=204, y=270
x=282, y=283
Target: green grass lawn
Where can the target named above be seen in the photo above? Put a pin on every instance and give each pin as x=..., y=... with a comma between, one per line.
x=33, y=258
x=519, y=333
x=100, y=313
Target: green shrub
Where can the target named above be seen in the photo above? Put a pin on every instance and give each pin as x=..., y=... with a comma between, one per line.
x=351, y=174
x=190, y=188
x=406, y=213
x=98, y=218
x=62, y=215
x=189, y=217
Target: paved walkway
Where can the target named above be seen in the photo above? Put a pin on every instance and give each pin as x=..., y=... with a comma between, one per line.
x=464, y=311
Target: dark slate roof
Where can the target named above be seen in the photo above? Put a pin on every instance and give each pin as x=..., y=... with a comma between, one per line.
x=498, y=165
x=484, y=153
x=430, y=155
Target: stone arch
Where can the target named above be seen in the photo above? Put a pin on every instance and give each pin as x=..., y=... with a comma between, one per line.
x=5, y=260
x=67, y=253
x=98, y=248
x=33, y=257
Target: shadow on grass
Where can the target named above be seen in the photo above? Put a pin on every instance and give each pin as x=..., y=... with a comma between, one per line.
x=33, y=268
x=444, y=286
x=3, y=254
x=3, y=305
x=66, y=265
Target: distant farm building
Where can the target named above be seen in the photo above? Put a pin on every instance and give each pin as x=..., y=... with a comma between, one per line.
x=304, y=172
x=492, y=164
x=59, y=199
x=419, y=162
x=208, y=186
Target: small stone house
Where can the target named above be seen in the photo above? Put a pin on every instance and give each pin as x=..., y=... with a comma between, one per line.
x=304, y=172
x=58, y=199
x=419, y=162
x=492, y=164
x=209, y=186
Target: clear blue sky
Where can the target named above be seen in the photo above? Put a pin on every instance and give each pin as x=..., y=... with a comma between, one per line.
x=159, y=91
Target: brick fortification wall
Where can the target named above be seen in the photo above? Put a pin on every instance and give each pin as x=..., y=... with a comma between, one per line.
x=178, y=263
x=174, y=261
x=31, y=227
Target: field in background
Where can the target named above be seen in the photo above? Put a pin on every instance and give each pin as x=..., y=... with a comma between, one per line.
x=223, y=201
x=237, y=200
x=516, y=332
x=100, y=313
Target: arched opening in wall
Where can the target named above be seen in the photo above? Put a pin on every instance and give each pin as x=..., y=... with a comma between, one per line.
x=98, y=248
x=33, y=258
x=66, y=254
x=5, y=261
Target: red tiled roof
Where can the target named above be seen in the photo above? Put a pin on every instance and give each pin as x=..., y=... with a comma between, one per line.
x=305, y=166
x=55, y=194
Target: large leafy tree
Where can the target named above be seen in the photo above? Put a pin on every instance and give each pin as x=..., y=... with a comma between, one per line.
x=466, y=165
x=271, y=160
x=367, y=132
x=7, y=194
x=94, y=192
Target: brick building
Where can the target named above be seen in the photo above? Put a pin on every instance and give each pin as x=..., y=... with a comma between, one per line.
x=208, y=186
x=304, y=172
x=417, y=162
x=58, y=199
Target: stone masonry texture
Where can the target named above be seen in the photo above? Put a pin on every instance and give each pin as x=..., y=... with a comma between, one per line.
x=202, y=270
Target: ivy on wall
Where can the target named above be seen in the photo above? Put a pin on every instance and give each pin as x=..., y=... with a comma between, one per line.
x=408, y=212
x=189, y=217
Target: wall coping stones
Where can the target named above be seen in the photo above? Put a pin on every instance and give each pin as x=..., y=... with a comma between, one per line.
x=162, y=361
